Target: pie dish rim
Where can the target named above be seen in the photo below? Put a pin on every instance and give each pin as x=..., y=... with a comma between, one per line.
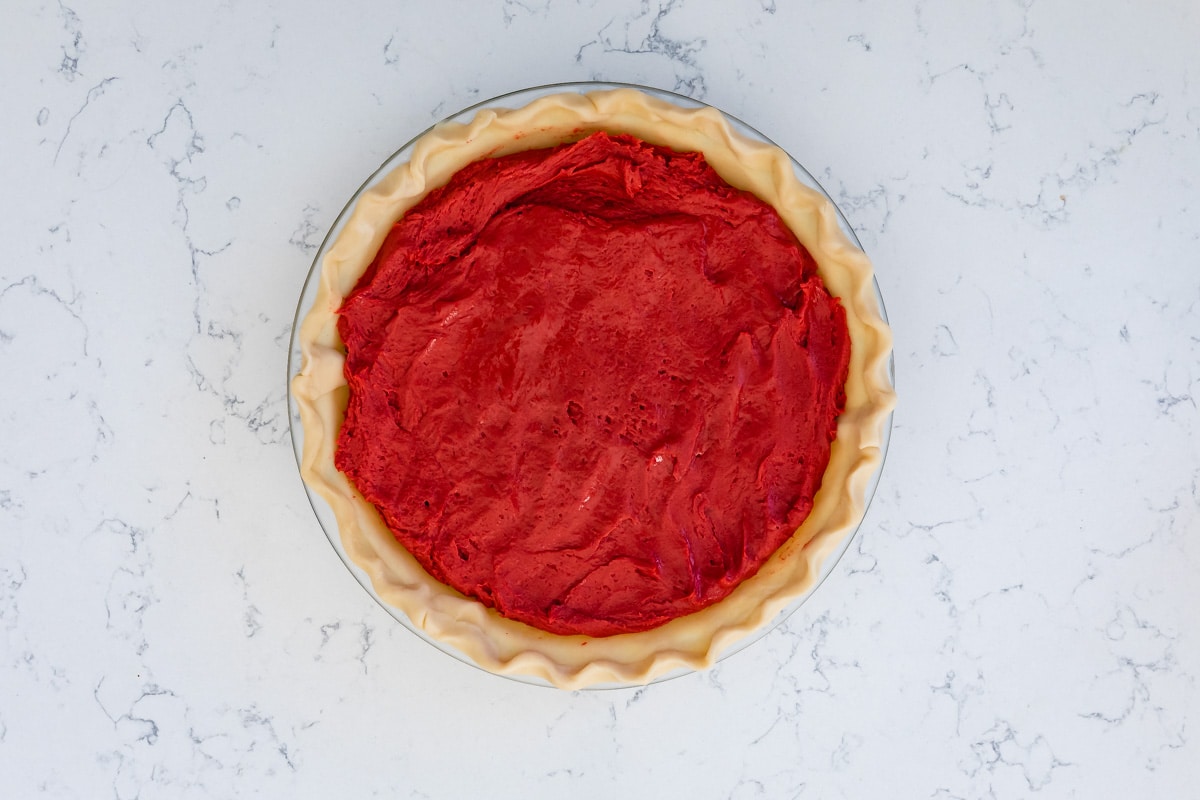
x=533, y=665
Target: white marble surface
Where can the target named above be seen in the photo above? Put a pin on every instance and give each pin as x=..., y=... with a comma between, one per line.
x=1019, y=615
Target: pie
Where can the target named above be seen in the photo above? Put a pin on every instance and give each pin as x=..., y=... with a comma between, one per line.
x=592, y=386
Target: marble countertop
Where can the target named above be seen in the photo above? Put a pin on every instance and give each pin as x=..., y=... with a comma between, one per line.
x=1017, y=618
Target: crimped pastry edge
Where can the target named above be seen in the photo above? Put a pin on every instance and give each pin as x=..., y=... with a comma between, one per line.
x=695, y=641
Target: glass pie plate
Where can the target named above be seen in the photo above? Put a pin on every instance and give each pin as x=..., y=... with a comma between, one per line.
x=324, y=513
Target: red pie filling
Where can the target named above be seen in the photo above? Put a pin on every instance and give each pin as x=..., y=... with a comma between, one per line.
x=593, y=386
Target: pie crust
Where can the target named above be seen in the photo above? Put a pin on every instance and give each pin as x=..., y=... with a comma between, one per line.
x=695, y=641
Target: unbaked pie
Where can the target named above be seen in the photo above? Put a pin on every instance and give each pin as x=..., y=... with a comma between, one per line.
x=592, y=386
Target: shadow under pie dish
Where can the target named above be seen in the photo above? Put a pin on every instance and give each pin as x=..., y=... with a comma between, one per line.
x=593, y=386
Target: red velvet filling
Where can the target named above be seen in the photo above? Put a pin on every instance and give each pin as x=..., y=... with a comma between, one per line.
x=593, y=386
